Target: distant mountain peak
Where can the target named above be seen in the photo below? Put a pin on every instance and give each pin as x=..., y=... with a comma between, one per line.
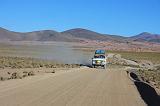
x=146, y=36
x=79, y=30
x=145, y=33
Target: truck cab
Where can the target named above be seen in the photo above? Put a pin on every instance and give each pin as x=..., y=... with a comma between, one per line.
x=99, y=59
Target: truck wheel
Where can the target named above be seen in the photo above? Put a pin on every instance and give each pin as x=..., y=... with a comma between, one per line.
x=104, y=66
x=93, y=66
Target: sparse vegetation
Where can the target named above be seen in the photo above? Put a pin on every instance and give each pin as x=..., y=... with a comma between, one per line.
x=20, y=63
x=18, y=57
x=154, y=57
x=26, y=62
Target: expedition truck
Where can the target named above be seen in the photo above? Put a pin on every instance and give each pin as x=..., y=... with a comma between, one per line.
x=99, y=59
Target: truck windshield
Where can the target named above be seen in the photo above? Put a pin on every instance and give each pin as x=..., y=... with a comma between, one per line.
x=100, y=52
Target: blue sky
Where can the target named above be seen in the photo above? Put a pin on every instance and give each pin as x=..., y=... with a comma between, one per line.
x=121, y=17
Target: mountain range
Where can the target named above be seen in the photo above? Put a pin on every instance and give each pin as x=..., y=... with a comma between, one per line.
x=73, y=35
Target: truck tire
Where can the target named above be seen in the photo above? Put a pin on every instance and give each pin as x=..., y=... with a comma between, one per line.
x=104, y=66
x=93, y=66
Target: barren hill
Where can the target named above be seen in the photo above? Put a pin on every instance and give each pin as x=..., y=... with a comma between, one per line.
x=43, y=35
x=9, y=35
x=145, y=36
x=85, y=34
x=72, y=35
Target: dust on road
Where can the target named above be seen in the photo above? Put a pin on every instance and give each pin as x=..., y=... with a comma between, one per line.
x=77, y=87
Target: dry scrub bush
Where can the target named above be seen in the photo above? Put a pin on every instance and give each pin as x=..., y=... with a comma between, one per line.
x=16, y=75
x=53, y=71
x=25, y=73
x=3, y=78
x=31, y=73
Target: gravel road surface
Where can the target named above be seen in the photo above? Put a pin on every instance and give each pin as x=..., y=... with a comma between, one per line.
x=76, y=87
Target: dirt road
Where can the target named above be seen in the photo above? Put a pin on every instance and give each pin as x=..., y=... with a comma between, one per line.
x=78, y=87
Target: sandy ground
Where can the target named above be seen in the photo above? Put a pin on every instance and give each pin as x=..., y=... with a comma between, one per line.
x=76, y=87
